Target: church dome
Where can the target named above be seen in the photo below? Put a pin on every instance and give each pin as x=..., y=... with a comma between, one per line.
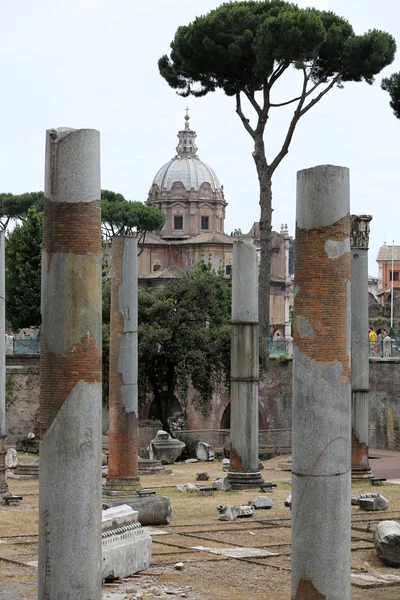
x=188, y=192
x=189, y=170
x=186, y=168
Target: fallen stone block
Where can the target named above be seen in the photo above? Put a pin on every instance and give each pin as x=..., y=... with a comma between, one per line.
x=387, y=542
x=230, y=513
x=371, y=502
x=11, y=458
x=221, y=483
x=202, y=476
x=205, y=452
x=261, y=502
x=226, y=463
x=165, y=448
x=374, y=580
x=153, y=510
x=191, y=460
x=126, y=549
x=288, y=501
x=192, y=488
x=355, y=500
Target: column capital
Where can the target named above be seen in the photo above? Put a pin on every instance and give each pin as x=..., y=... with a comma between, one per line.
x=359, y=233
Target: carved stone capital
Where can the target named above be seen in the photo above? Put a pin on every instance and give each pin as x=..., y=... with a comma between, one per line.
x=359, y=235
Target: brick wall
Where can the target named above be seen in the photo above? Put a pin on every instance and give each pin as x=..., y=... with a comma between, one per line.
x=22, y=402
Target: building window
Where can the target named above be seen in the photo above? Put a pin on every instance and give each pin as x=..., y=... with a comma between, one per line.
x=395, y=275
x=204, y=222
x=178, y=222
x=228, y=270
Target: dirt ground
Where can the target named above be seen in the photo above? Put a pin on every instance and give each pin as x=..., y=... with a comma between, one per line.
x=194, y=522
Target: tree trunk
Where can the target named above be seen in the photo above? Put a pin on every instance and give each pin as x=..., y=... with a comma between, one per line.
x=264, y=178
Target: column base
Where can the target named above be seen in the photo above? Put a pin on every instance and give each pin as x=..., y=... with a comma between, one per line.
x=121, y=488
x=240, y=480
x=361, y=473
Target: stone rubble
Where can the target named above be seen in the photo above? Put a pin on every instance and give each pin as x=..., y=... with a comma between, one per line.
x=202, y=476
x=221, y=484
x=387, y=542
x=149, y=589
x=11, y=458
x=205, y=452
x=261, y=502
x=230, y=513
x=288, y=501
x=189, y=487
x=371, y=502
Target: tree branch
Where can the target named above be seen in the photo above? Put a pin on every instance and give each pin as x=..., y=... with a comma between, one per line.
x=310, y=91
x=297, y=114
x=245, y=121
x=253, y=102
x=321, y=94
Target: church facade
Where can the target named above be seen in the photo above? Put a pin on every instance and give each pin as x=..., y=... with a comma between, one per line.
x=190, y=195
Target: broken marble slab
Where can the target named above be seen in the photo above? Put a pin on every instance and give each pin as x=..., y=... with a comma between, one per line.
x=288, y=501
x=202, y=476
x=370, y=502
x=126, y=545
x=189, y=487
x=374, y=580
x=387, y=542
x=238, y=552
x=261, y=502
x=118, y=516
x=230, y=513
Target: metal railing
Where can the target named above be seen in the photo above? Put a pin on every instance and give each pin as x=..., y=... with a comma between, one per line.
x=269, y=440
x=387, y=348
x=26, y=345
x=277, y=346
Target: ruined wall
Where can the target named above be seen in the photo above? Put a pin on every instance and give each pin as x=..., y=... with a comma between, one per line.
x=22, y=398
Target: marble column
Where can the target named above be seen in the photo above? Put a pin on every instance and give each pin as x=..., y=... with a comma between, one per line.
x=70, y=554
x=244, y=471
x=3, y=430
x=360, y=468
x=321, y=430
x=123, y=433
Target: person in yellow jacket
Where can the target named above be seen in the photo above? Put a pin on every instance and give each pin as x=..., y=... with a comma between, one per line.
x=373, y=338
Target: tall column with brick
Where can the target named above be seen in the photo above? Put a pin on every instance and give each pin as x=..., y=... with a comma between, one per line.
x=70, y=556
x=123, y=433
x=244, y=470
x=360, y=468
x=3, y=431
x=321, y=430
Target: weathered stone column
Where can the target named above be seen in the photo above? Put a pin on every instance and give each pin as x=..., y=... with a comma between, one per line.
x=360, y=468
x=123, y=434
x=70, y=555
x=244, y=471
x=321, y=432
x=3, y=431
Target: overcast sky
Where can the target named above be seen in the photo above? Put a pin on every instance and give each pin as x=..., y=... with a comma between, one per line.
x=93, y=63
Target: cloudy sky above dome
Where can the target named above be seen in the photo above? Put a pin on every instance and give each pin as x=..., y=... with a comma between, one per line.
x=93, y=63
